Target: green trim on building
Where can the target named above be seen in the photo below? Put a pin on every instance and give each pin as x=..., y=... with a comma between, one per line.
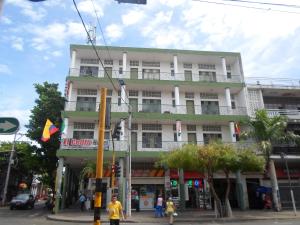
x=160, y=82
x=159, y=116
x=92, y=153
x=155, y=50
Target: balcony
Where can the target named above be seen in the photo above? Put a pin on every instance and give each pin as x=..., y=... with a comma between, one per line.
x=288, y=149
x=84, y=144
x=290, y=113
x=146, y=75
x=157, y=108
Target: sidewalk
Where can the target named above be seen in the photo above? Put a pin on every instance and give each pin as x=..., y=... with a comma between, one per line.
x=74, y=215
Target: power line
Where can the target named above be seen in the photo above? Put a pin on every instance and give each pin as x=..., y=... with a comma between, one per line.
x=264, y=3
x=248, y=7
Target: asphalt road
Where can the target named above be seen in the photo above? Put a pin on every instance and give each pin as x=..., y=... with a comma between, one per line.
x=37, y=216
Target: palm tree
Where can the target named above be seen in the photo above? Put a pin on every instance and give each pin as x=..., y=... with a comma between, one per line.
x=266, y=131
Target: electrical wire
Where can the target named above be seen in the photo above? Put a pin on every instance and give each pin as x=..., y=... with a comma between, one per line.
x=248, y=7
x=264, y=3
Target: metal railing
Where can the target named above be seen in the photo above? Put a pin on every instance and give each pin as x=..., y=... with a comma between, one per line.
x=141, y=75
x=70, y=143
x=157, y=108
x=271, y=82
x=284, y=112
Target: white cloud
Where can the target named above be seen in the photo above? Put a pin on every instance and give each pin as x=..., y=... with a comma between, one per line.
x=57, y=34
x=5, y=20
x=17, y=43
x=30, y=9
x=133, y=17
x=89, y=7
x=4, y=69
x=114, y=31
x=160, y=20
x=56, y=53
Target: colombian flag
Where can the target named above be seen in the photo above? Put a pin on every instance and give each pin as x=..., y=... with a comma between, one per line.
x=49, y=129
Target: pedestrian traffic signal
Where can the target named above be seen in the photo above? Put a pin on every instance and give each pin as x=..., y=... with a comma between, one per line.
x=117, y=131
x=117, y=169
x=113, y=169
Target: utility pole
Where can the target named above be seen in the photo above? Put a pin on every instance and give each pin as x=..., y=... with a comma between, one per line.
x=128, y=169
x=99, y=166
x=8, y=170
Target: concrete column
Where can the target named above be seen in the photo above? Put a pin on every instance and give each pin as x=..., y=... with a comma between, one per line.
x=65, y=128
x=73, y=63
x=175, y=62
x=124, y=63
x=59, y=173
x=232, y=132
x=122, y=135
x=121, y=182
x=65, y=188
x=228, y=101
x=224, y=70
x=181, y=190
x=241, y=189
x=177, y=98
x=71, y=105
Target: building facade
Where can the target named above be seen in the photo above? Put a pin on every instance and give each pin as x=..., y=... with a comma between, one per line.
x=281, y=98
x=175, y=96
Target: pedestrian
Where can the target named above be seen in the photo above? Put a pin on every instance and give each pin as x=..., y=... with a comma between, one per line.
x=159, y=207
x=115, y=209
x=82, y=200
x=170, y=209
x=137, y=202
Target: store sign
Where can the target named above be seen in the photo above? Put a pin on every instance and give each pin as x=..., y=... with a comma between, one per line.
x=82, y=143
x=174, y=183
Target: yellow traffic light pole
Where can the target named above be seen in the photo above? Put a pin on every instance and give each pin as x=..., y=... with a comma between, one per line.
x=99, y=166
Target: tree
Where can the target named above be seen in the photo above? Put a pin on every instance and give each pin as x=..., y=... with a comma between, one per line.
x=265, y=131
x=49, y=105
x=211, y=158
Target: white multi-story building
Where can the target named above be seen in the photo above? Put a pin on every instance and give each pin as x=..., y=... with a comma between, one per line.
x=176, y=97
x=280, y=97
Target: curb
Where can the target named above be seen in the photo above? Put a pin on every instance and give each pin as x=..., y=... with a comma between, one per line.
x=224, y=220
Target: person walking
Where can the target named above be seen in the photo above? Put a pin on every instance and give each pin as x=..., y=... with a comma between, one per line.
x=82, y=200
x=170, y=209
x=115, y=209
x=159, y=207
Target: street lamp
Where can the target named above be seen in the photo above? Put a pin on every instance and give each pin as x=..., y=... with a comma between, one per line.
x=283, y=157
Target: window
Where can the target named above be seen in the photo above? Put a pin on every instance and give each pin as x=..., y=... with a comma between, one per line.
x=86, y=126
x=175, y=137
x=89, y=61
x=189, y=95
x=210, y=107
x=151, y=74
x=134, y=63
x=109, y=92
x=151, y=127
x=211, y=128
x=133, y=93
x=173, y=103
x=152, y=105
x=86, y=92
x=207, y=66
x=134, y=126
x=207, y=76
x=191, y=127
x=152, y=94
x=172, y=73
x=81, y=134
x=208, y=96
x=120, y=62
x=108, y=62
x=187, y=65
x=120, y=70
x=208, y=137
x=171, y=65
x=228, y=68
x=86, y=103
x=152, y=140
x=233, y=105
x=88, y=71
x=150, y=64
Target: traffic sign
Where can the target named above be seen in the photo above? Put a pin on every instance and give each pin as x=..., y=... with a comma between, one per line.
x=8, y=125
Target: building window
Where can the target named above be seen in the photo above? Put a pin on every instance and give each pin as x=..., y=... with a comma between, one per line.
x=233, y=104
x=187, y=65
x=189, y=95
x=151, y=74
x=150, y=64
x=214, y=128
x=173, y=103
x=81, y=134
x=134, y=63
x=87, y=92
x=134, y=126
x=156, y=94
x=210, y=107
x=191, y=127
x=87, y=126
x=151, y=127
x=207, y=76
x=152, y=140
x=89, y=61
x=86, y=103
x=88, y=71
x=133, y=93
x=108, y=62
x=120, y=70
x=209, y=137
x=120, y=62
x=208, y=96
x=175, y=137
x=172, y=73
x=152, y=105
x=207, y=66
x=171, y=65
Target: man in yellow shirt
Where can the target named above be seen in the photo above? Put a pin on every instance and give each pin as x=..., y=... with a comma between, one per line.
x=114, y=210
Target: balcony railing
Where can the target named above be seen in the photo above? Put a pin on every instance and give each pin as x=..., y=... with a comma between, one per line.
x=70, y=143
x=284, y=112
x=157, y=108
x=141, y=75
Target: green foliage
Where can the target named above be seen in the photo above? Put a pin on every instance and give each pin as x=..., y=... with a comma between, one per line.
x=49, y=105
x=250, y=162
x=89, y=170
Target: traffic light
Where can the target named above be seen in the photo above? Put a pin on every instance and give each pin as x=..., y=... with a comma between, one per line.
x=117, y=131
x=113, y=169
x=117, y=169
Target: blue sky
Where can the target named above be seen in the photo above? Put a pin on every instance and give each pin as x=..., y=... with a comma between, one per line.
x=35, y=38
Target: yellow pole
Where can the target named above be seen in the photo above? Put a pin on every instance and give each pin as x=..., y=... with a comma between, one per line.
x=99, y=166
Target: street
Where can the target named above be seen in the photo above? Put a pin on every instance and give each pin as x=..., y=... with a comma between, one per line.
x=38, y=215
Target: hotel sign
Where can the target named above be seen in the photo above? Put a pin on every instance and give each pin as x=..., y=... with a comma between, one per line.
x=71, y=143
